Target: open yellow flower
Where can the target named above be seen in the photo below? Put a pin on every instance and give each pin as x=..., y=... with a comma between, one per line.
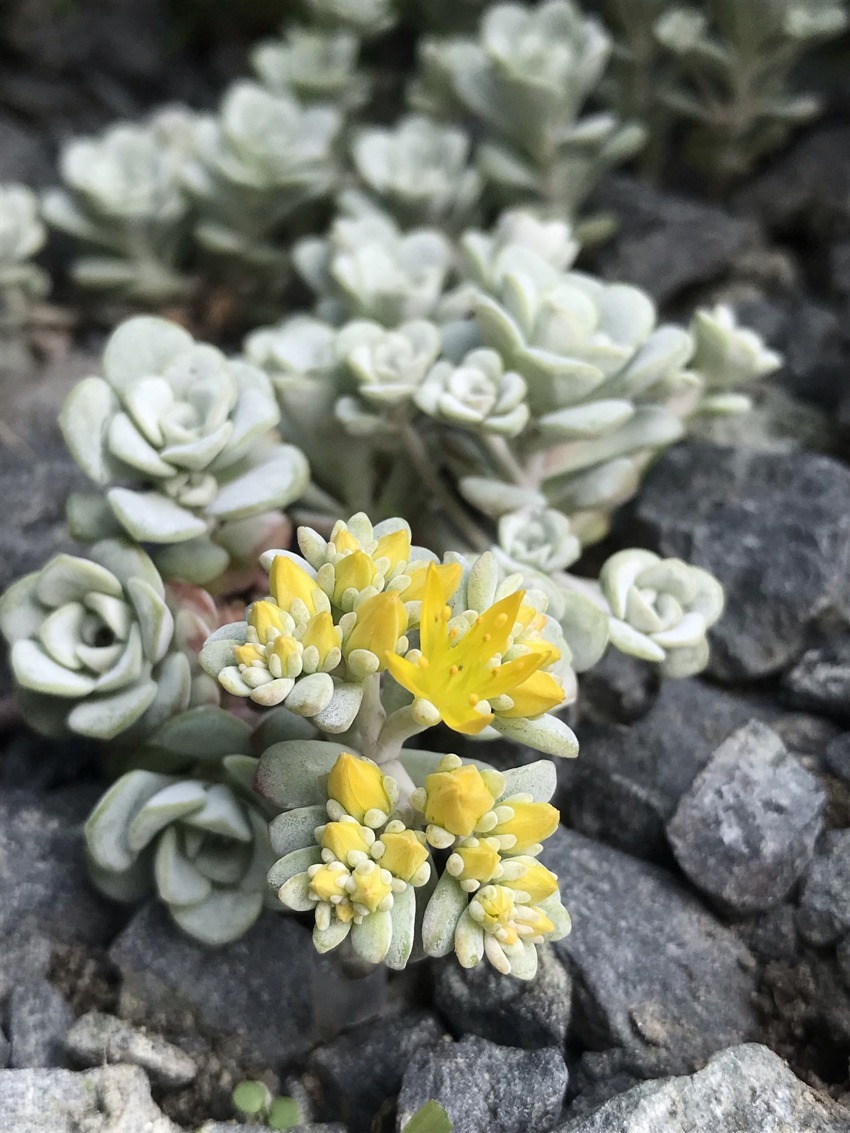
x=461, y=674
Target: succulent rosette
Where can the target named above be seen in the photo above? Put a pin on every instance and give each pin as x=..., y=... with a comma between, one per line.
x=22, y=234
x=476, y=394
x=183, y=442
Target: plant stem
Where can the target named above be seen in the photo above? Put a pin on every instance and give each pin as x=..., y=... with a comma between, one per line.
x=398, y=728
x=505, y=460
x=371, y=718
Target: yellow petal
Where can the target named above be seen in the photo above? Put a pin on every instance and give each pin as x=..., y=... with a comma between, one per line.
x=343, y=837
x=479, y=862
x=247, y=654
x=327, y=883
x=358, y=786
x=286, y=647
x=321, y=633
x=343, y=540
x=531, y=824
x=264, y=616
x=288, y=582
x=537, y=881
x=404, y=854
x=371, y=889
x=356, y=570
x=491, y=631
x=381, y=620
x=395, y=546
x=449, y=575
x=538, y=694
x=457, y=800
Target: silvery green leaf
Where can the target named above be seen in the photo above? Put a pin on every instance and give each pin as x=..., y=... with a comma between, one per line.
x=468, y=941
x=298, y=861
x=371, y=938
x=20, y=613
x=481, y=584
x=403, y=918
x=274, y=483
x=554, y=909
x=294, y=773
x=35, y=669
x=128, y=886
x=447, y=904
x=278, y=725
x=311, y=694
x=222, y=918
x=324, y=940
x=585, y=627
x=140, y=348
x=197, y=560
x=592, y=420
x=686, y=661
x=295, y=894
x=295, y=829
x=155, y=619
x=106, y=827
x=524, y=964
x=66, y=578
x=178, y=880
x=419, y=764
x=631, y=641
x=173, y=677
x=241, y=770
x=341, y=710
x=537, y=779
x=221, y=814
x=90, y=518
x=153, y=518
x=547, y=734
x=84, y=419
x=496, y=498
x=205, y=732
x=174, y=801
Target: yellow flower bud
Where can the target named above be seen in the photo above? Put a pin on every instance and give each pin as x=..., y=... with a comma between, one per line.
x=288, y=651
x=537, y=881
x=395, y=546
x=495, y=910
x=536, y=920
x=343, y=539
x=371, y=887
x=322, y=634
x=456, y=800
x=531, y=823
x=288, y=581
x=479, y=862
x=358, y=786
x=327, y=883
x=356, y=570
x=404, y=854
x=381, y=620
x=449, y=575
x=343, y=837
x=264, y=616
x=247, y=654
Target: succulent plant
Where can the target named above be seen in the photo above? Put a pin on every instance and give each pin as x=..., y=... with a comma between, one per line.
x=723, y=68
x=201, y=845
x=662, y=609
x=388, y=365
x=477, y=394
x=182, y=441
x=419, y=171
x=367, y=268
x=727, y=355
x=315, y=66
x=125, y=203
x=525, y=78
x=256, y=162
x=92, y=645
x=22, y=235
x=365, y=17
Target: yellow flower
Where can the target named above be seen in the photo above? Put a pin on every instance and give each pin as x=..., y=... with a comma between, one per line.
x=358, y=786
x=395, y=547
x=495, y=910
x=289, y=583
x=449, y=575
x=404, y=853
x=370, y=887
x=540, y=693
x=457, y=674
x=381, y=620
x=456, y=800
x=343, y=838
x=353, y=572
x=323, y=636
x=478, y=861
x=326, y=883
x=284, y=657
x=529, y=825
x=535, y=880
x=265, y=616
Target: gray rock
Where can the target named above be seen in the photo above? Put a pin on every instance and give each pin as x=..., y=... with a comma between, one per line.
x=651, y=966
x=747, y=828
x=530, y=1015
x=5, y=1050
x=619, y=690
x=267, y=987
x=838, y=756
x=38, y=1019
x=775, y=530
x=666, y=243
x=114, y=1099
x=363, y=1068
x=748, y=1089
x=23, y=155
x=824, y=912
x=842, y=956
x=820, y=681
x=44, y=884
x=628, y=780
x=24, y=955
x=97, y=1039
x=773, y=935
x=485, y=1087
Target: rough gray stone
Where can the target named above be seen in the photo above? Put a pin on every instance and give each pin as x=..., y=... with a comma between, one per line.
x=267, y=987
x=820, y=681
x=773, y=935
x=619, y=690
x=774, y=529
x=666, y=243
x=748, y=1089
x=838, y=756
x=485, y=1087
x=363, y=1068
x=97, y=1039
x=651, y=967
x=747, y=828
x=114, y=1099
x=38, y=1019
x=44, y=884
x=629, y=780
x=824, y=912
x=530, y=1015
x=5, y=1050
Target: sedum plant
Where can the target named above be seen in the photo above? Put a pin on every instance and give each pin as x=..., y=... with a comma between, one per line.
x=723, y=69
x=22, y=235
x=124, y=201
x=315, y=65
x=93, y=645
x=182, y=442
x=525, y=80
